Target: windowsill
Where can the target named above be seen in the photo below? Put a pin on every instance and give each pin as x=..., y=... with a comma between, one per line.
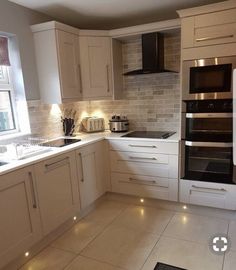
x=13, y=135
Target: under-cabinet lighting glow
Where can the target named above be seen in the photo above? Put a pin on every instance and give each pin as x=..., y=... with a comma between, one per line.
x=142, y=200
x=27, y=254
x=55, y=110
x=75, y=218
x=185, y=207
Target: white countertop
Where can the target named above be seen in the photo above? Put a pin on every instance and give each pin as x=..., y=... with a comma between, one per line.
x=86, y=139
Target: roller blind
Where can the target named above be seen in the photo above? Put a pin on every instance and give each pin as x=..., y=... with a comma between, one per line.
x=4, y=54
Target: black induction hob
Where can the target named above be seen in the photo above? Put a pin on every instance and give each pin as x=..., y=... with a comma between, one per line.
x=163, y=266
x=150, y=134
x=60, y=142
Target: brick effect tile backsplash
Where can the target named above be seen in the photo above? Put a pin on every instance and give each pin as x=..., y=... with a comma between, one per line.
x=151, y=101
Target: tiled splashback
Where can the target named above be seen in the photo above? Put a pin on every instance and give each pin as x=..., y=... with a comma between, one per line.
x=151, y=102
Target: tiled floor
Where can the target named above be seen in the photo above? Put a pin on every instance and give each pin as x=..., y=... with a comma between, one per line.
x=119, y=235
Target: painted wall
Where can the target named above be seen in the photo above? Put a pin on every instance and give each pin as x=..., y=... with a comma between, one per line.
x=16, y=20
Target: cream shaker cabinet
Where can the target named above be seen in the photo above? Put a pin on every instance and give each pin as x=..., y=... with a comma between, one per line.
x=20, y=224
x=96, y=67
x=91, y=172
x=58, y=191
x=57, y=59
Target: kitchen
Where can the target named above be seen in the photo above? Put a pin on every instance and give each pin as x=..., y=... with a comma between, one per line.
x=117, y=200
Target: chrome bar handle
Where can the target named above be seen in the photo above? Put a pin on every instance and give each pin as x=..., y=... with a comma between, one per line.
x=144, y=158
x=56, y=163
x=208, y=144
x=80, y=79
x=82, y=169
x=142, y=181
x=108, y=84
x=208, y=115
x=208, y=188
x=213, y=38
x=143, y=146
x=32, y=189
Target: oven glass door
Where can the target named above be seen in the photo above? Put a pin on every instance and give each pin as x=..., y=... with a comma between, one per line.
x=209, y=127
x=207, y=79
x=210, y=162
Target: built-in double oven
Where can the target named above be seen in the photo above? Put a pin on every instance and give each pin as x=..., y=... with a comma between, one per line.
x=207, y=120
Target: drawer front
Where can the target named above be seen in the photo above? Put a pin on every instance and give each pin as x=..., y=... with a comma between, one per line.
x=146, y=186
x=141, y=157
x=208, y=194
x=213, y=35
x=168, y=167
x=144, y=146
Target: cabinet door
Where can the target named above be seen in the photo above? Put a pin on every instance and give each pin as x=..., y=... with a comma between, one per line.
x=95, y=60
x=91, y=171
x=19, y=215
x=58, y=192
x=68, y=56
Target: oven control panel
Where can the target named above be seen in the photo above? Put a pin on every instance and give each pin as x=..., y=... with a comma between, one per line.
x=202, y=106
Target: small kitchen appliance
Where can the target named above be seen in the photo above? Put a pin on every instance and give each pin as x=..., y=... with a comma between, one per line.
x=119, y=123
x=93, y=124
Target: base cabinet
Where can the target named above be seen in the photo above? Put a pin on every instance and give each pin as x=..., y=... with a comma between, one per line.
x=145, y=186
x=144, y=168
x=19, y=214
x=91, y=172
x=208, y=194
x=58, y=190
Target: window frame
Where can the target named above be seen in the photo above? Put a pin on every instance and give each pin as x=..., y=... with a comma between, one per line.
x=7, y=85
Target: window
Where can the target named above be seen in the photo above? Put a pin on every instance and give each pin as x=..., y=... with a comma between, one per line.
x=14, y=118
x=7, y=118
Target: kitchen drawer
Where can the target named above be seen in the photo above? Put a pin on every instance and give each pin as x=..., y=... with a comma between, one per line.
x=212, y=35
x=145, y=186
x=144, y=146
x=163, y=165
x=208, y=194
x=141, y=157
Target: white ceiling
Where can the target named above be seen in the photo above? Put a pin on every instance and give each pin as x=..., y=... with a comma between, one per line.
x=108, y=14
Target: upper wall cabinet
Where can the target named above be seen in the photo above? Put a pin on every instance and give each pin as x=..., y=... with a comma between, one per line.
x=96, y=67
x=101, y=66
x=209, y=31
x=57, y=55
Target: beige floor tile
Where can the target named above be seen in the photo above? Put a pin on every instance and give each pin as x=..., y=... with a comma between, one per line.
x=106, y=212
x=49, y=259
x=230, y=261
x=195, y=228
x=144, y=218
x=82, y=263
x=121, y=247
x=184, y=254
x=232, y=235
x=79, y=236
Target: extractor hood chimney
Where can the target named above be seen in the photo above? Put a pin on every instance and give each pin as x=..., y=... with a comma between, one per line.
x=152, y=55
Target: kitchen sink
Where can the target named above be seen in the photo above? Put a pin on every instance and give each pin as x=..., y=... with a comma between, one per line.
x=3, y=163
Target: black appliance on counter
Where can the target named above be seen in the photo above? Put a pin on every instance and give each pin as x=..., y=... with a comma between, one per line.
x=207, y=148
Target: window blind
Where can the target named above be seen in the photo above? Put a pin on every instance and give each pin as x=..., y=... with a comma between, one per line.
x=4, y=54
